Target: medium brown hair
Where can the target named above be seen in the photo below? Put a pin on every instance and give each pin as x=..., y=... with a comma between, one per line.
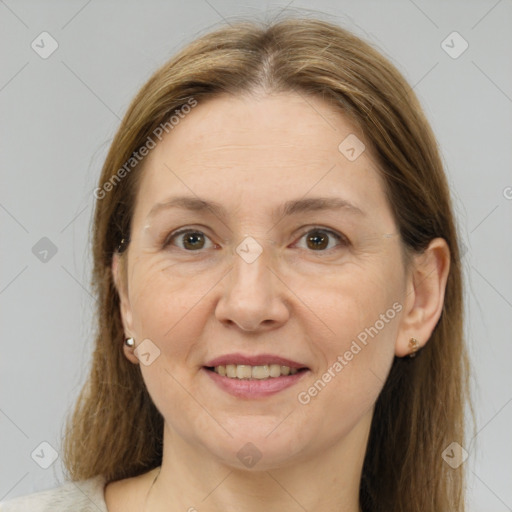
x=115, y=429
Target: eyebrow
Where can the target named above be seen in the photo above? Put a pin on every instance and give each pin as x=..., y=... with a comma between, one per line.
x=288, y=208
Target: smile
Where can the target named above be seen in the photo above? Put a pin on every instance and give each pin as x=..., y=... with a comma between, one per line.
x=259, y=372
x=254, y=382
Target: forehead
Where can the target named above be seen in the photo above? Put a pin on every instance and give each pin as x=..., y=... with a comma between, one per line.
x=292, y=124
x=258, y=149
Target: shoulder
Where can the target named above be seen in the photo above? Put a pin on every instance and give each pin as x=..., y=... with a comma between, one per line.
x=79, y=496
x=129, y=494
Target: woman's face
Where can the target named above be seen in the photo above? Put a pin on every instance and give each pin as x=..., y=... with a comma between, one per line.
x=269, y=273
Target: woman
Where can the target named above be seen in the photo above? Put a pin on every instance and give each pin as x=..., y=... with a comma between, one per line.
x=279, y=284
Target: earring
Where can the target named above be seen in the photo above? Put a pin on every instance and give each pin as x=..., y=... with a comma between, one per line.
x=129, y=342
x=122, y=245
x=414, y=345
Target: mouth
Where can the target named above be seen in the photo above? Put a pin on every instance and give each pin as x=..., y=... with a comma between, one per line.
x=258, y=372
x=251, y=377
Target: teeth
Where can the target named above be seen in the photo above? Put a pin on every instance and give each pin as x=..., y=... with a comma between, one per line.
x=244, y=371
x=260, y=372
x=274, y=370
x=285, y=370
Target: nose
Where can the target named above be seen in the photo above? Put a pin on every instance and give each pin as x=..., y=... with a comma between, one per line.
x=253, y=298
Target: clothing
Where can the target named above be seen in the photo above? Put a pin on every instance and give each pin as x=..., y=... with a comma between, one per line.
x=80, y=496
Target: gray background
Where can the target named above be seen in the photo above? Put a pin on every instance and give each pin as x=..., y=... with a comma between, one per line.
x=59, y=115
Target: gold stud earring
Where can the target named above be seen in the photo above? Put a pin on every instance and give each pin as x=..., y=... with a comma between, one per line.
x=414, y=346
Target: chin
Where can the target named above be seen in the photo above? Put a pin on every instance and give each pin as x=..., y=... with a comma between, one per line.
x=258, y=449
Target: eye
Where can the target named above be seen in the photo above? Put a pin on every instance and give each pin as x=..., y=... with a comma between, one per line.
x=317, y=239
x=192, y=239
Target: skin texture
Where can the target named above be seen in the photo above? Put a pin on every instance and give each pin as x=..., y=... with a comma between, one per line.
x=251, y=154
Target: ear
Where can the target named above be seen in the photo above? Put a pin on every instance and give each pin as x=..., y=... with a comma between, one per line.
x=424, y=299
x=119, y=276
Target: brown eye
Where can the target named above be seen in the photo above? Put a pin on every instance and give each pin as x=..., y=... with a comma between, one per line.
x=319, y=240
x=191, y=240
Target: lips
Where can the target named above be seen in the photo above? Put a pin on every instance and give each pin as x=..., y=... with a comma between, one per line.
x=256, y=360
x=252, y=377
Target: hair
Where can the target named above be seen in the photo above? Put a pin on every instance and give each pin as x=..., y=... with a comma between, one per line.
x=115, y=429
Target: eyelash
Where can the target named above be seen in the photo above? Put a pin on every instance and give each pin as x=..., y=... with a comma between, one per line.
x=343, y=241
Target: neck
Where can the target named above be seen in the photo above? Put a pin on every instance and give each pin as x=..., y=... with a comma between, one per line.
x=191, y=479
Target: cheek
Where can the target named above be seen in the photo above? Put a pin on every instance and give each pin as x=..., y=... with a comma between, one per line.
x=355, y=362
x=361, y=301
x=360, y=309
x=164, y=301
x=168, y=309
